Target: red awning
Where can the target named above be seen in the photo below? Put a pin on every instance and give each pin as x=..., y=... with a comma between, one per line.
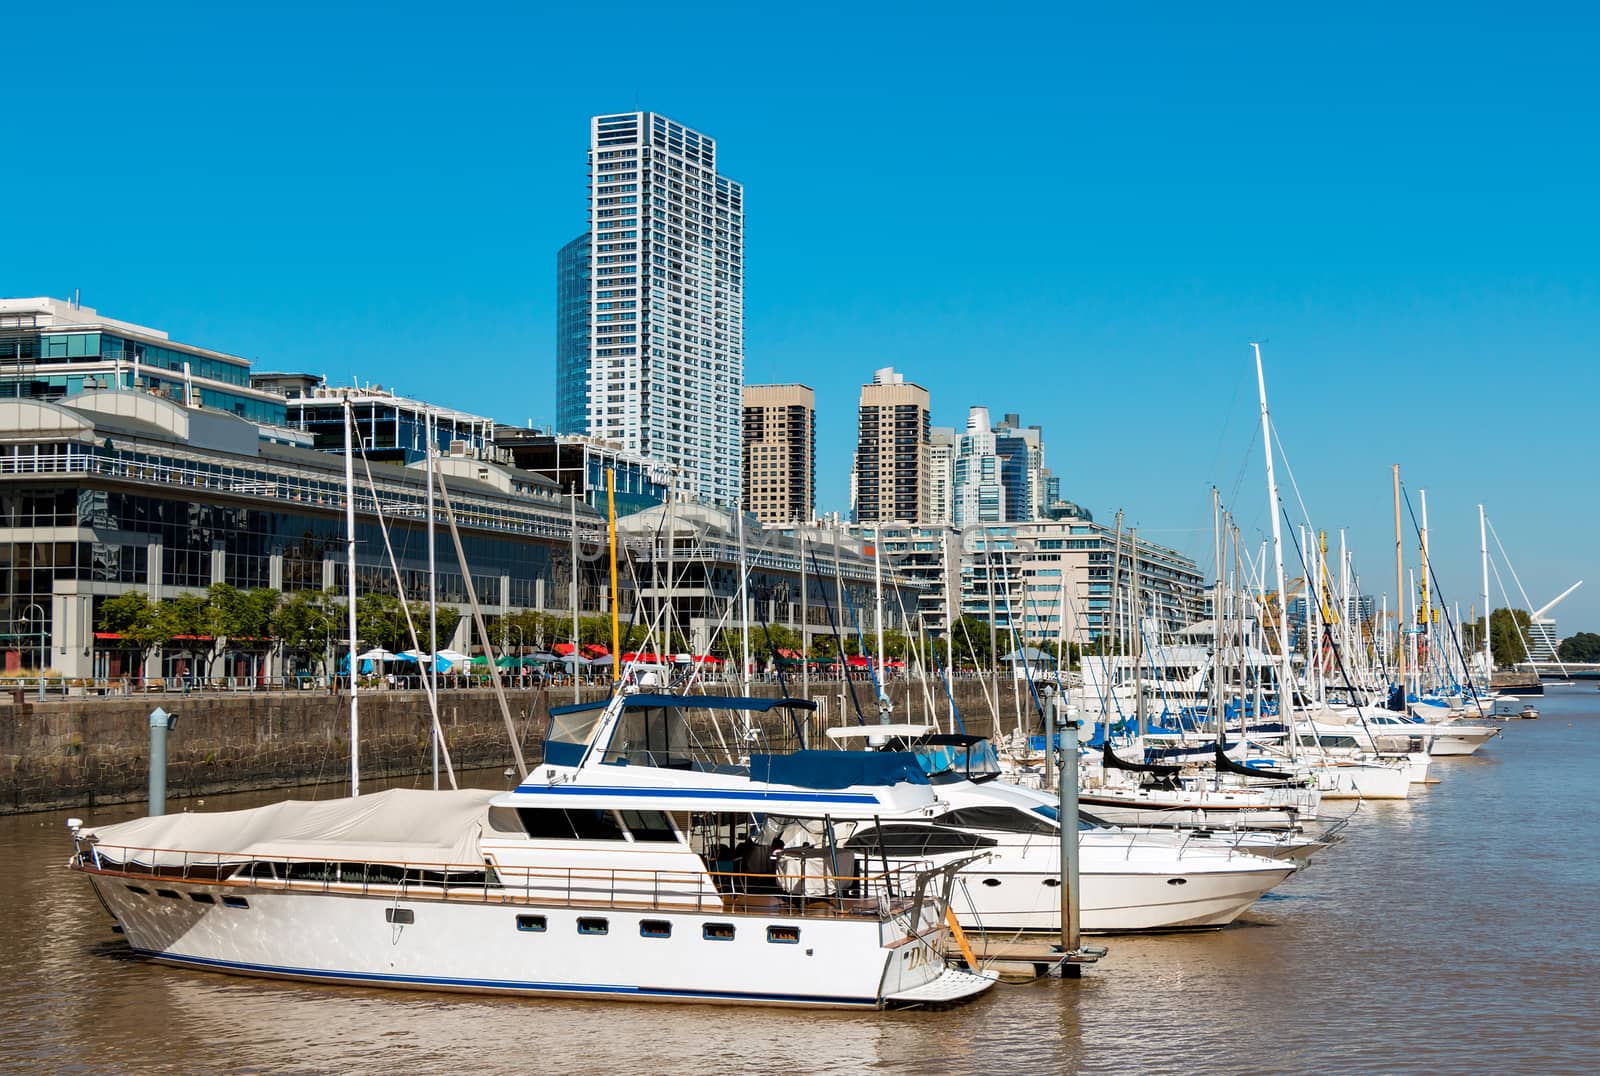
x=856, y=661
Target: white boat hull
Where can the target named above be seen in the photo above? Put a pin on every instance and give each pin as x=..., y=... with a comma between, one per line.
x=478, y=945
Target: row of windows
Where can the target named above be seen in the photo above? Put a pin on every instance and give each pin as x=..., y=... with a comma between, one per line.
x=657, y=928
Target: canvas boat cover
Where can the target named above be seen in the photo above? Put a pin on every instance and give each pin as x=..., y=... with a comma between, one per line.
x=401, y=825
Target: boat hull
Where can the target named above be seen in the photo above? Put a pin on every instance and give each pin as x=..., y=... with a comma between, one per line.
x=477, y=946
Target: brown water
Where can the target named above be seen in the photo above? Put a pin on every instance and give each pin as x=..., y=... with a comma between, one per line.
x=1459, y=930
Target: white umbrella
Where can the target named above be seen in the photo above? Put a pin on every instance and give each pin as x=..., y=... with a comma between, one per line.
x=377, y=653
x=454, y=657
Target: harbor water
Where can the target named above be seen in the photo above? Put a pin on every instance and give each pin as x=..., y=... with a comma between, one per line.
x=1458, y=930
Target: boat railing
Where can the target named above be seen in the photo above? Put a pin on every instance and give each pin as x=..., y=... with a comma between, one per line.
x=873, y=894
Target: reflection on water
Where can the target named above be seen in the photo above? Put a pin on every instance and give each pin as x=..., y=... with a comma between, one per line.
x=1454, y=930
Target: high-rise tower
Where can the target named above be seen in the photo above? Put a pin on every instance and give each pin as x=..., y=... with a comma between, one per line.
x=780, y=452
x=665, y=364
x=891, y=473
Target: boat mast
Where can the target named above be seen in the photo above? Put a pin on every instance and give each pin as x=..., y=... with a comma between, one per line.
x=744, y=606
x=1399, y=590
x=1216, y=619
x=1138, y=647
x=1286, y=676
x=350, y=594
x=433, y=604
x=577, y=655
x=1428, y=598
x=1488, y=650
x=877, y=588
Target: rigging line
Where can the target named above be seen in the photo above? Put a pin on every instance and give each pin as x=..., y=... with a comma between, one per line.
x=949, y=690
x=914, y=644
x=1016, y=641
x=872, y=666
x=977, y=668
x=1289, y=469
x=411, y=628
x=1495, y=568
x=838, y=641
x=1300, y=555
x=1448, y=620
x=477, y=615
x=1520, y=589
x=778, y=665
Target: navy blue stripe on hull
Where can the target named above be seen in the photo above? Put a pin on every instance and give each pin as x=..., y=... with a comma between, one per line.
x=641, y=993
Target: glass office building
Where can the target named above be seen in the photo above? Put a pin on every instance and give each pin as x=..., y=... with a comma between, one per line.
x=53, y=348
x=107, y=492
x=572, y=337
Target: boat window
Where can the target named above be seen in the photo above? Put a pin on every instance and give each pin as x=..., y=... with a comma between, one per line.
x=170, y=894
x=235, y=902
x=650, y=826
x=259, y=869
x=903, y=841
x=577, y=726
x=655, y=928
x=202, y=898
x=313, y=872
x=578, y=824
x=139, y=889
x=1004, y=819
x=400, y=916
x=531, y=924
x=783, y=935
x=717, y=932
x=594, y=926
x=504, y=822
x=654, y=736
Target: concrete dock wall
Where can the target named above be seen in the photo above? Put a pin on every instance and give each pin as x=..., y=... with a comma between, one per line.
x=84, y=751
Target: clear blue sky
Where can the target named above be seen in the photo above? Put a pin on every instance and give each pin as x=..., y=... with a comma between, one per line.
x=1082, y=213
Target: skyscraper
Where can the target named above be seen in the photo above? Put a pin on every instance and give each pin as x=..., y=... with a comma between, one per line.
x=572, y=336
x=979, y=488
x=780, y=457
x=891, y=474
x=665, y=343
x=1021, y=451
x=941, y=474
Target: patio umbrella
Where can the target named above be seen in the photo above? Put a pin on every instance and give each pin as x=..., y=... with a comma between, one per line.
x=377, y=653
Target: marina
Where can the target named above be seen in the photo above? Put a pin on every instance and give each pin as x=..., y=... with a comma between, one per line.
x=1421, y=917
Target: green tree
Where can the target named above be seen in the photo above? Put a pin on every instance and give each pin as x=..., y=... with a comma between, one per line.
x=134, y=617
x=1507, y=630
x=306, y=623
x=1584, y=647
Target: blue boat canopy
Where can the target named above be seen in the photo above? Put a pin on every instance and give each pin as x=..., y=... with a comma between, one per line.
x=692, y=702
x=838, y=769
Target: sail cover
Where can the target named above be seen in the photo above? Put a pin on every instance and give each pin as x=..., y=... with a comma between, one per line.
x=401, y=825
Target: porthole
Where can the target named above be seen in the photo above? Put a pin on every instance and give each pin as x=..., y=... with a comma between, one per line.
x=594, y=926
x=1177, y=881
x=991, y=881
x=717, y=932
x=139, y=889
x=531, y=924
x=1052, y=881
x=783, y=935
x=655, y=928
x=202, y=898
x=235, y=902
x=170, y=894
x=403, y=917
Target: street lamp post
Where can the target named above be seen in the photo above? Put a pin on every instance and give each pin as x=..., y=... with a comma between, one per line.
x=44, y=653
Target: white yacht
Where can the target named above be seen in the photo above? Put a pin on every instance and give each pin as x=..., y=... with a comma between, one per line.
x=558, y=888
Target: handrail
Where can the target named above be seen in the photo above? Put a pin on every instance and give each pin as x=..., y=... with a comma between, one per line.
x=850, y=895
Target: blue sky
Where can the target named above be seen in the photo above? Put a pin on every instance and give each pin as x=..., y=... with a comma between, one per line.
x=1081, y=213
